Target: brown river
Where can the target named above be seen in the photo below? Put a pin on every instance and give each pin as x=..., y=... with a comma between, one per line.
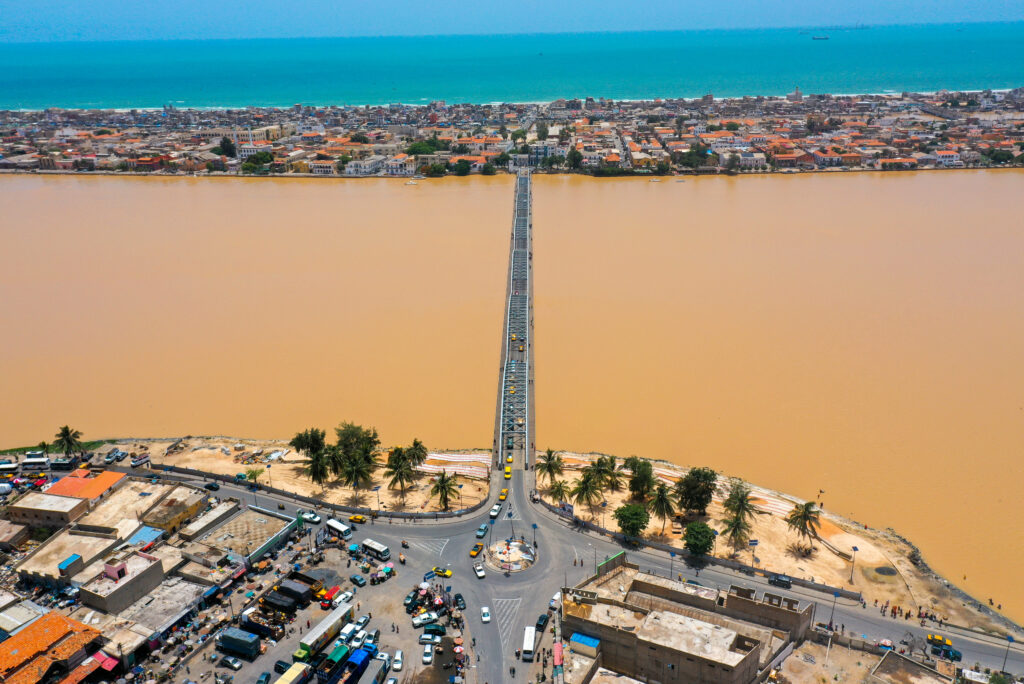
x=854, y=333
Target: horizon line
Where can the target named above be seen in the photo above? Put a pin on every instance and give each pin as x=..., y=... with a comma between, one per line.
x=820, y=27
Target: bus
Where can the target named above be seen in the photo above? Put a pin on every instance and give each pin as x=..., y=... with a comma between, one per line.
x=34, y=460
x=376, y=549
x=298, y=673
x=11, y=467
x=339, y=529
x=529, y=637
x=139, y=460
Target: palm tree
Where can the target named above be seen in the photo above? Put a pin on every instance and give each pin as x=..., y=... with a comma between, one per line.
x=318, y=469
x=642, y=483
x=68, y=440
x=738, y=502
x=357, y=472
x=44, y=447
x=587, y=489
x=632, y=464
x=417, y=453
x=444, y=489
x=805, y=519
x=399, y=470
x=550, y=465
x=662, y=504
x=559, y=491
x=609, y=477
x=737, y=531
x=253, y=474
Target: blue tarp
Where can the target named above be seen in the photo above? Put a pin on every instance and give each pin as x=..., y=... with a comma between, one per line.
x=66, y=563
x=584, y=640
x=145, y=535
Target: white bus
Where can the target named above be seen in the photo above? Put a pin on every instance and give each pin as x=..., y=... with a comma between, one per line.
x=141, y=459
x=529, y=637
x=34, y=460
x=10, y=467
x=339, y=529
x=376, y=549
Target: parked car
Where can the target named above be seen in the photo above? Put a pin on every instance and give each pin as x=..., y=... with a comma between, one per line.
x=359, y=639
x=281, y=666
x=431, y=639
x=264, y=678
x=424, y=619
x=398, y=662
x=460, y=602
x=212, y=486
x=485, y=614
x=345, y=597
x=373, y=637
x=542, y=622
x=362, y=621
x=555, y=601
x=232, y=662
x=410, y=597
x=782, y=581
x=428, y=654
x=481, y=532
x=358, y=580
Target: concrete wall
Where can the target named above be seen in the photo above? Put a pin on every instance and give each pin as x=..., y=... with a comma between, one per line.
x=771, y=611
x=126, y=592
x=45, y=517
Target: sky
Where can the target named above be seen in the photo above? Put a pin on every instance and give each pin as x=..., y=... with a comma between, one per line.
x=91, y=20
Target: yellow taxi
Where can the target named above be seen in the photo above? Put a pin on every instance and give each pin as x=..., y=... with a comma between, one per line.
x=508, y=472
x=503, y=495
x=442, y=572
x=357, y=519
x=508, y=459
x=475, y=551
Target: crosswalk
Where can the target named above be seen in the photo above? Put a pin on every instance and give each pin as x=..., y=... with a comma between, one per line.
x=432, y=546
x=505, y=612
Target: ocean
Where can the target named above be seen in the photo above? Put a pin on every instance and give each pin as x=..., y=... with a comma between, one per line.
x=510, y=68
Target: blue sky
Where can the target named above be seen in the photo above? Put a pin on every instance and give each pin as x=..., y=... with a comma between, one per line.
x=77, y=20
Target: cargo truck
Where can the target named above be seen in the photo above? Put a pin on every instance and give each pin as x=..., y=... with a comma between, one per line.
x=258, y=624
x=330, y=669
x=378, y=671
x=301, y=592
x=276, y=601
x=355, y=666
x=238, y=642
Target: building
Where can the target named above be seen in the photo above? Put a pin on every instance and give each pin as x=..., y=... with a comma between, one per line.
x=400, y=165
x=83, y=485
x=322, y=167
x=365, y=167
x=653, y=628
x=50, y=647
x=12, y=535
x=36, y=509
x=127, y=576
x=175, y=509
x=251, y=533
x=752, y=160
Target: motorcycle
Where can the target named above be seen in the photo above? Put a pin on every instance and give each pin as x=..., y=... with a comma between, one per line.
x=405, y=544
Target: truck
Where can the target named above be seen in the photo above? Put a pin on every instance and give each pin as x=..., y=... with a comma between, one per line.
x=325, y=631
x=315, y=585
x=238, y=642
x=301, y=592
x=331, y=668
x=378, y=672
x=355, y=666
x=279, y=602
x=948, y=652
x=259, y=624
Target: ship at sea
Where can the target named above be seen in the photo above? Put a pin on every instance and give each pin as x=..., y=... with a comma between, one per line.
x=819, y=37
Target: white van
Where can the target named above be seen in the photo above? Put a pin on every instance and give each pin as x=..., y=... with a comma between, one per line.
x=339, y=529
x=140, y=460
x=348, y=632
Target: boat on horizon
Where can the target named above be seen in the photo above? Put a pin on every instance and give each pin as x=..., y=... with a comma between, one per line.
x=412, y=182
x=819, y=37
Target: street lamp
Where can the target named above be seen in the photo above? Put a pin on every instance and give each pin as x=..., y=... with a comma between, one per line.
x=460, y=497
x=604, y=504
x=853, y=564
x=835, y=597
x=1009, y=640
x=671, y=562
x=377, y=489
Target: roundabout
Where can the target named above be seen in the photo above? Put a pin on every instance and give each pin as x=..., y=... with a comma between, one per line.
x=511, y=555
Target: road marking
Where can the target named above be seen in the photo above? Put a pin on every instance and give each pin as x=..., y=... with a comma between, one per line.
x=505, y=612
x=431, y=545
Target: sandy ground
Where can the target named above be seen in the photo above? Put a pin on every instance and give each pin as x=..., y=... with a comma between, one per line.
x=882, y=570
x=288, y=472
x=811, y=663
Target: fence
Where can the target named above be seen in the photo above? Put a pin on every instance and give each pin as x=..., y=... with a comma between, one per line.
x=338, y=508
x=722, y=562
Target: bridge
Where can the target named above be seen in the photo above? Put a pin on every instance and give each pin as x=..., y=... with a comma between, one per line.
x=514, y=437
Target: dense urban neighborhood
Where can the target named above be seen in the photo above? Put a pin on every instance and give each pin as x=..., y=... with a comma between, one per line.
x=601, y=137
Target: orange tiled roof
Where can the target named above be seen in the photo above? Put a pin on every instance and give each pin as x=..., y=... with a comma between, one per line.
x=27, y=655
x=86, y=487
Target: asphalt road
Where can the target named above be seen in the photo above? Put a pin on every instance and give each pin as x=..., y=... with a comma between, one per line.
x=516, y=600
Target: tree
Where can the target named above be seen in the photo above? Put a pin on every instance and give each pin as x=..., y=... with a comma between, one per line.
x=227, y=147
x=549, y=465
x=359, y=138
x=574, y=159
x=488, y=169
x=462, y=167
x=433, y=170
x=696, y=156
x=518, y=134
x=587, y=490
x=696, y=488
x=542, y=131
x=805, y=519
x=357, y=441
x=416, y=453
x=318, y=468
x=732, y=126
x=699, y=538
x=503, y=132
x=444, y=489
x=309, y=442
x=732, y=162
x=253, y=474
x=631, y=464
x=460, y=148
x=357, y=472
x=662, y=504
x=342, y=162
x=738, y=502
x=103, y=131
x=632, y=519
x=607, y=475
x=399, y=470
x=44, y=447
x=662, y=168
x=68, y=441
x=502, y=159
x=420, y=147
x=559, y=491
x=642, y=483
x=737, y=531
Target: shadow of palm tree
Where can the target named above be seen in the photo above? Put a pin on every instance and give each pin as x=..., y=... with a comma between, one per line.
x=799, y=551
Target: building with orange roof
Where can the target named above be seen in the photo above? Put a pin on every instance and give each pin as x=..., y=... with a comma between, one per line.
x=92, y=489
x=51, y=646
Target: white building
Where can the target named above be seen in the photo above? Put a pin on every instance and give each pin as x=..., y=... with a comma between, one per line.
x=365, y=167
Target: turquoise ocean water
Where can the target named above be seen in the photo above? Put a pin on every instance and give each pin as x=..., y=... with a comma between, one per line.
x=510, y=68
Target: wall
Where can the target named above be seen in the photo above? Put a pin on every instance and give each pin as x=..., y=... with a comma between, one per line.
x=127, y=592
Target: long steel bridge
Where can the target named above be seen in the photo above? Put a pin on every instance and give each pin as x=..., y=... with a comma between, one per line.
x=513, y=430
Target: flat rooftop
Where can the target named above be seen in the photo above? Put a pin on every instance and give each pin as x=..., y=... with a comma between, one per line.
x=618, y=583
x=116, y=630
x=123, y=509
x=689, y=635
x=135, y=564
x=197, y=525
x=245, y=532
x=47, y=502
x=603, y=676
x=164, y=605
x=180, y=499
x=60, y=547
